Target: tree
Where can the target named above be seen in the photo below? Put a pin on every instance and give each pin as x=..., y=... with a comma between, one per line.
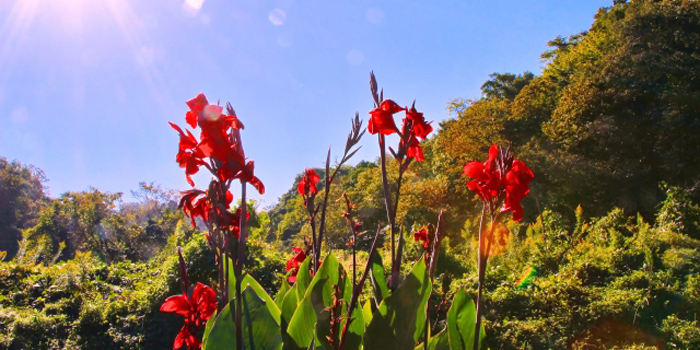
x=21, y=198
x=506, y=85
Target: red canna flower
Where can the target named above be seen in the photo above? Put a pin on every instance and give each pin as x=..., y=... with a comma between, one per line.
x=233, y=220
x=196, y=106
x=420, y=127
x=487, y=180
x=517, y=182
x=426, y=236
x=246, y=174
x=414, y=149
x=382, y=118
x=186, y=156
x=294, y=262
x=307, y=184
x=195, y=204
x=501, y=179
x=217, y=141
x=197, y=308
x=422, y=235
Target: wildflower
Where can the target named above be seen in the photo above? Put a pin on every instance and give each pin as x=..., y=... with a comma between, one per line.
x=307, y=184
x=382, y=120
x=197, y=308
x=501, y=179
x=422, y=236
x=517, y=181
x=194, y=205
x=414, y=149
x=293, y=264
x=216, y=142
x=420, y=127
x=487, y=180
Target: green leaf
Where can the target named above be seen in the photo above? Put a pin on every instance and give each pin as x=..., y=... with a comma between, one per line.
x=461, y=321
x=294, y=296
x=439, y=342
x=303, y=278
x=248, y=280
x=367, y=312
x=311, y=319
x=401, y=316
x=289, y=306
x=260, y=331
x=222, y=332
x=207, y=328
x=356, y=329
x=378, y=279
x=281, y=293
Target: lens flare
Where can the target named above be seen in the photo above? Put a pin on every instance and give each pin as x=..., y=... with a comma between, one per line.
x=527, y=278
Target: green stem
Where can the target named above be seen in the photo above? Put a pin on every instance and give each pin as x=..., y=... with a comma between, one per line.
x=389, y=210
x=239, y=267
x=483, y=259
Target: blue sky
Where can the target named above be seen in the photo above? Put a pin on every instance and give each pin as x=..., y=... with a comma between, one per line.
x=87, y=86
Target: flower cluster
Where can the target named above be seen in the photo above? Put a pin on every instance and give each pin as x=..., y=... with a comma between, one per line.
x=426, y=237
x=219, y=149
x=414, y=127
x=501, y=179
x=219, y=143
x=307, y=184
x=293, y=264
x=197, y=308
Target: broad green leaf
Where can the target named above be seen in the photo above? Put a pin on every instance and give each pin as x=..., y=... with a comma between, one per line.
x=421, y=322
x=303, y=278
x=378, y=279
x=281, y=293
x=222, y=333
x=312, y=319
x=260, y=331
x=395, y=324
x=461, y=321
x=439, y=342
x=293, y=296
x=367, y=312
x=259, y=290
x=207, y=328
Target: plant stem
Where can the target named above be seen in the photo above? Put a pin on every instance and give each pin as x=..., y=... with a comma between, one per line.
x=483, y=259
x=328, y=179
x=239, y=267
x=358, y=288
x=389, y=210
x=314, y=250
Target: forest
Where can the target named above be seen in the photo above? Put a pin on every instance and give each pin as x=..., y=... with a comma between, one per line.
x=606, y=256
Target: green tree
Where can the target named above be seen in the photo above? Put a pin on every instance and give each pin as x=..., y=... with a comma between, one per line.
x=506, y=85
x=21, y=198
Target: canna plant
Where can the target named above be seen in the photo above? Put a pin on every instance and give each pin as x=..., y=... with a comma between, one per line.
x=319, y=304
x=501, y=182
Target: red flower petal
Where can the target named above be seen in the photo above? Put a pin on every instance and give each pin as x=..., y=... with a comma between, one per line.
x=181, y=338
x=493, y=153
x=257, y=184
x=176, y=303
x=198, y=103
x=307, y=184
x=474, y=169
x=191, y=119
x=414, y=150
x=229, y=198
x=420, y=127
x=382, y=120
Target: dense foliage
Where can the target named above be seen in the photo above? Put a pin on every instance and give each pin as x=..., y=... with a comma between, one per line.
x=22, y=196
x=608, y=254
